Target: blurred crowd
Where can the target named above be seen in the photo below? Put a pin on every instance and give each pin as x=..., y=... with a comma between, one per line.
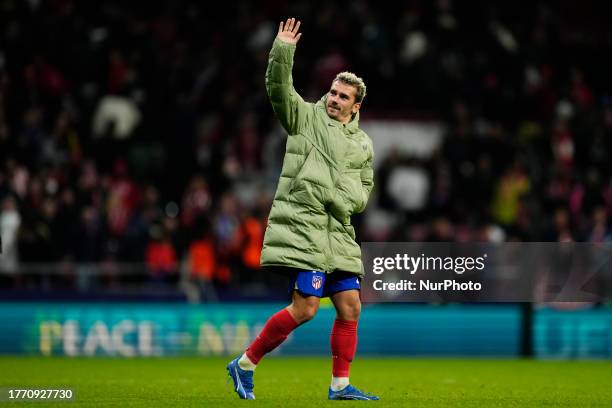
x=136, y=132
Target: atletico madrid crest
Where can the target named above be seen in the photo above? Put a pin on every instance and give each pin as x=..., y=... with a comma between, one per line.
x=317, y=281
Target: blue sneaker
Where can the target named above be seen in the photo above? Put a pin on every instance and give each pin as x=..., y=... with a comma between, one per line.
x=350, y=393
x=243, y=380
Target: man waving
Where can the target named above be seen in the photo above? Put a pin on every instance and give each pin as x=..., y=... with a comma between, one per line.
x=327, y=176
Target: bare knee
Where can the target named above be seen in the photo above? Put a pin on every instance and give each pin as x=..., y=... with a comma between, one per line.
x=304, y=309
x=349, y=310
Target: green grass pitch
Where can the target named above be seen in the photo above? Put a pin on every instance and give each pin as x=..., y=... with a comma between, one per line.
x=303, y=382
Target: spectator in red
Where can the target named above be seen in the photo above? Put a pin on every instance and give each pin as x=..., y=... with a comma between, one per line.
x=196, y=200
x=160, y=257
x=123, y=197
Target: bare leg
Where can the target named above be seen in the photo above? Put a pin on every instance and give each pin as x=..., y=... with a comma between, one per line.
x=348, y=305
x=303, y=308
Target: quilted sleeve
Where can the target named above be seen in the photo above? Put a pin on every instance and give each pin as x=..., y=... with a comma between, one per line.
x=288, y=105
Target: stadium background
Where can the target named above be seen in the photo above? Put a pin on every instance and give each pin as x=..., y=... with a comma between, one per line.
x=139, y=155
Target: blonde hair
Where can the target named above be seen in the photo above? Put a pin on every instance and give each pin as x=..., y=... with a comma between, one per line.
x=351, y=79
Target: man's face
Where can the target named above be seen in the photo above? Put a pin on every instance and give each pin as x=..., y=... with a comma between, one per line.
x=341, y=102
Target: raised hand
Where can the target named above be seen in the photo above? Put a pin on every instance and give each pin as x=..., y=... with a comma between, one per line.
x=288, y=32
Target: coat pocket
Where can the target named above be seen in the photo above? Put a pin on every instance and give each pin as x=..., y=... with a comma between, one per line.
x=350, y=190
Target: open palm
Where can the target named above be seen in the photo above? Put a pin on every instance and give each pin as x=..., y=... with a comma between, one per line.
x=288, y=32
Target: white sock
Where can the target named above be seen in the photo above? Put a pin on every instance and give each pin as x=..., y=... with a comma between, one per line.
x=339, y=383
x=246, y=364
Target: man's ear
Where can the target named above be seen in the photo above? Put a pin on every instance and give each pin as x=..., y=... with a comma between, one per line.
x=356, y=107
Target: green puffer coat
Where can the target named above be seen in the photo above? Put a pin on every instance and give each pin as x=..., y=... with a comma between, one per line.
x=327, y=176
